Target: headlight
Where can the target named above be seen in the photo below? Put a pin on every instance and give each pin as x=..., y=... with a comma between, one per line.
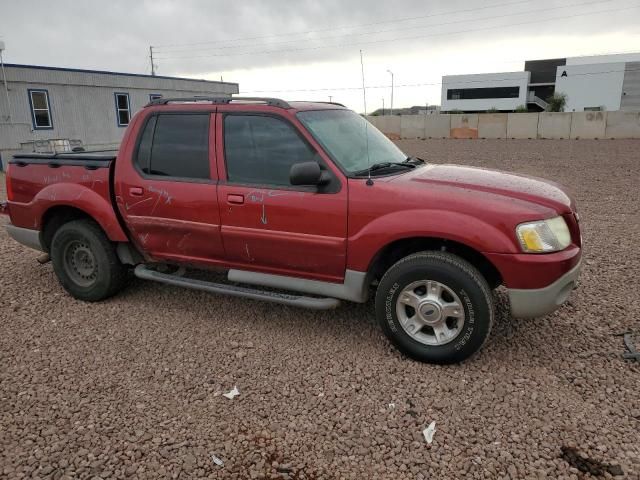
x=544, y=236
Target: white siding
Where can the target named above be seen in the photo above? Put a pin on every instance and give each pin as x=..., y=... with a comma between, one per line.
x=83, y=103
x=593, y=85
x=485, y=80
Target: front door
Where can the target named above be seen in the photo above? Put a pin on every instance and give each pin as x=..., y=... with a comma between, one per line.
x=167, y=193
x=269, y=225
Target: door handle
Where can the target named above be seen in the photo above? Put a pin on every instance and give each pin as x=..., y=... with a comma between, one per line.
x=235, y=198
x=137, y=191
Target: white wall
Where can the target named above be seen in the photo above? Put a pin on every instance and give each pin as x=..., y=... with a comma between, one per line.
x=485, y=80
x=592, y=85
x=83, y=103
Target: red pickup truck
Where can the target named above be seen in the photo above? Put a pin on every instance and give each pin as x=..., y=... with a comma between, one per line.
x=304, y=204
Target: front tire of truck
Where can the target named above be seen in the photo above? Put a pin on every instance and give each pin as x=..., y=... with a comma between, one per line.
x=435, y=307
x=85, y=261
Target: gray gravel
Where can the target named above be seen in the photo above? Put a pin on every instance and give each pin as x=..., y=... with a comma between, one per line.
x=131, y=387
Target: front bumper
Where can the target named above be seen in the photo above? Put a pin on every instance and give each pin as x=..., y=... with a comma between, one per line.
x=537, y=302
x=25, y=236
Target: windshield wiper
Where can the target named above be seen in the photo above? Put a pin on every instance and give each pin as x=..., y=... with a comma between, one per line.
x=414, y=160
x=381, y=166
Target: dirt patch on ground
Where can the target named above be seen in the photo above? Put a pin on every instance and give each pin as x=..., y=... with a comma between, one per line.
x=132, y=386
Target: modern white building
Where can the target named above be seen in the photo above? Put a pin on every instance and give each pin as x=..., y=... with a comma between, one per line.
x=481, y=92
x=46, y=107
x=606, y=82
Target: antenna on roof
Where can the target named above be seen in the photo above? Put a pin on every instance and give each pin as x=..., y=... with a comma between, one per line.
x=153, y=67
x=366, y=122
x=4, y=78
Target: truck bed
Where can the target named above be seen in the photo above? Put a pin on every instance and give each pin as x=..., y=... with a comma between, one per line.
x=41, y=181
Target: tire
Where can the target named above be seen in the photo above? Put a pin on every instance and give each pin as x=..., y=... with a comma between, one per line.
x=426, y=323
x=85, y=261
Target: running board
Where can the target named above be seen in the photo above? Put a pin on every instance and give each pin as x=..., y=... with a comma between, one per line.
x=141, y=271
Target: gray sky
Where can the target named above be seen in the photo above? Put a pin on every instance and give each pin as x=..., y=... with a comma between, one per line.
x=302, y=49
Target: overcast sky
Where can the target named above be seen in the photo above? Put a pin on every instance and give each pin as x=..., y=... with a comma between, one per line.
x=309, y=49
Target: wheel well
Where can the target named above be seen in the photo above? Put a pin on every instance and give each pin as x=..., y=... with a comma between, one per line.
x=55, y=217
x=393, y=252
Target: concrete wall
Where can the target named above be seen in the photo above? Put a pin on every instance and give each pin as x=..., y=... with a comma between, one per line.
x=387, y=124
x=522, y=125
x=623, y=125
x=588, y=125
x=492, y=125
x=412, y=126
x=554, y=125
x=437, y=126
x=576, y=125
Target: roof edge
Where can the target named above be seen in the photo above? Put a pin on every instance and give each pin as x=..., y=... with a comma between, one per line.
x=108, y=72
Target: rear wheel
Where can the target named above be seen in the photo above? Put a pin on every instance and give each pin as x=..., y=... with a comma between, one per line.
x=85, y=261
x=435, y=307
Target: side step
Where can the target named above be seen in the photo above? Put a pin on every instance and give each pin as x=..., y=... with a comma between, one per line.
x=141, y=271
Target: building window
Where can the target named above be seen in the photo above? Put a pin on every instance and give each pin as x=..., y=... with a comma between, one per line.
x=479, y=93
x=154, y=96
x=123, y=109
x=40, y=110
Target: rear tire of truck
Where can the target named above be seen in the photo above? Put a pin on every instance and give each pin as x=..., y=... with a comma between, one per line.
x=435, y=307
x=86, y=262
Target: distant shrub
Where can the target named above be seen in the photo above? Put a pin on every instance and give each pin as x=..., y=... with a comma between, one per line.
x=557, y=102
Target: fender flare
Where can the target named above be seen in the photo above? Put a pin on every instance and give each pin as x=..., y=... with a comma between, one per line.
x=81, y=198
x=473, y=232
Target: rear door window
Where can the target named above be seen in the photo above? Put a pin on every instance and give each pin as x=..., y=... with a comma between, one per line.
x=175, y=146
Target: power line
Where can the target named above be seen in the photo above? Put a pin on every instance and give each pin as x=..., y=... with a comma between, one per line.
x=427, y=84
x=404, y=19
x=417, y=37
x=377, y=32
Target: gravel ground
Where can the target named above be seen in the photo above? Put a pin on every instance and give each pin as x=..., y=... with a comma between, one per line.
x=131, y=387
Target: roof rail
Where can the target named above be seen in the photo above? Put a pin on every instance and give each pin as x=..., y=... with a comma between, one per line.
x=272, y=102
x=330, y=103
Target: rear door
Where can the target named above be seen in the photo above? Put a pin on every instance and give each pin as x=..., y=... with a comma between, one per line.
x=166, y=188
x=267, y=224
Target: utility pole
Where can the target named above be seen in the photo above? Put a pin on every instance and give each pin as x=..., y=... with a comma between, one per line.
x=153, y=67
x=330, y=98
x=383, y=106
x=364, y=90
x=389, y=71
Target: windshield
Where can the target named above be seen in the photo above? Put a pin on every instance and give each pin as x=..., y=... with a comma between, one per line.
x=347, y=137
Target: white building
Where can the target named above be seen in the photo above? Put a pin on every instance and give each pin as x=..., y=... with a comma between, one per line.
x=472, y=93
x=606, y=82
x=43, y=106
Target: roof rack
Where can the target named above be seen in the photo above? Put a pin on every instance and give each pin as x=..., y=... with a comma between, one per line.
x=272, y=102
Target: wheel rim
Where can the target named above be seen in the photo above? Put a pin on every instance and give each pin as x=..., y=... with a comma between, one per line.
x=430, y=312
x=80, y=263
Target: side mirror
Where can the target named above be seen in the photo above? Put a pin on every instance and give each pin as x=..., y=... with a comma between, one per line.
x=308, y=173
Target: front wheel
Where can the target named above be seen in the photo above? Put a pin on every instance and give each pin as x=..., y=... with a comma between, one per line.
x=435, y=307
x=85, y=261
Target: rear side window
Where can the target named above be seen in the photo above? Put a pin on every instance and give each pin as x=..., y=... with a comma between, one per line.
x=261, y=149
x=175, y=146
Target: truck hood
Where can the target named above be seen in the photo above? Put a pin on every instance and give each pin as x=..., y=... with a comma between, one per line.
x=522, y=187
